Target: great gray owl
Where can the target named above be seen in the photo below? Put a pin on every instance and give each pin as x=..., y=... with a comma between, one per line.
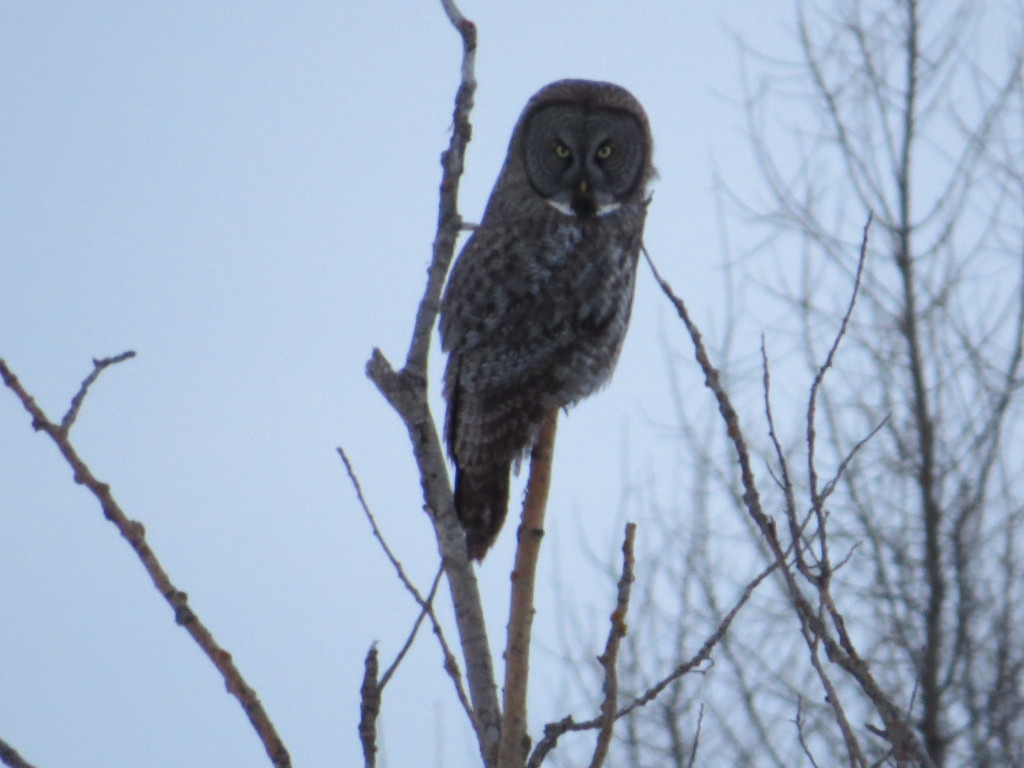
x=537, y=304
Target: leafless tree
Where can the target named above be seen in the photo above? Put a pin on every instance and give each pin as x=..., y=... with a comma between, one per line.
x=859, y=608
x=912, y=113
x=500, y=728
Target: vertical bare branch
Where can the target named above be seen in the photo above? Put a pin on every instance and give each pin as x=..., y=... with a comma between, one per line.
x=819, y=377
x=931, y=689
x=369, y=708
x=514, y=744
x=609, y=659
x=406, y=391
x=449, y=222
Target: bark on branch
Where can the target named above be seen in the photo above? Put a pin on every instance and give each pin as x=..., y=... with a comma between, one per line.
x=514, y=744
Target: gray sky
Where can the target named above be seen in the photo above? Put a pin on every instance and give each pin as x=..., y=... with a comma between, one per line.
x=245, y=194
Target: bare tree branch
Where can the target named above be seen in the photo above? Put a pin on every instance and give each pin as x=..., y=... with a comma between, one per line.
x=839, y=649
x=554, y=731
x=135, y=535
x=369, y=708
x=406, y=392
x=819, y=377
x=699, y=658
x=451, y=666
x=76, y=402
x=449, y=222
x=610, y=657
x=696, y=739
x=905, y=109
x=514, y=744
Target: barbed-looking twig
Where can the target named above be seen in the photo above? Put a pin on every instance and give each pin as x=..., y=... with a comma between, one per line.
x=817, y=501
x=514, y=744
x=406, y=392
x=135, y=534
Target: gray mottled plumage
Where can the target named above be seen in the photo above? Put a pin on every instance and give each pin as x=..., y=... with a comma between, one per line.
x=537, y=304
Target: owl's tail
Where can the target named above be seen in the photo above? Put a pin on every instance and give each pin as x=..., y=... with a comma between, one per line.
x=481, y=501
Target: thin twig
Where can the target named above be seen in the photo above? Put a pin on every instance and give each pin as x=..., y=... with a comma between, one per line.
x=704, y=653
x=554, y=731
x=786, y=480
x=135, y=535
x=696, y=739
x=833, y=481
x=813, y=642
x=817, y=501
x=451, y=666
x=800, y=733
x=839, y=651
x=514, y=745
x=609, y=658
x=98, y=367
x=427, y=611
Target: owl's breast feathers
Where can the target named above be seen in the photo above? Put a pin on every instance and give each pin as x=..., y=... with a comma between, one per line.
x=514, y=285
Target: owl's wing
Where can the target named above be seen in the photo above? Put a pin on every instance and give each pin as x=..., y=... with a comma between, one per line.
x=500, y=335
x=495, y=293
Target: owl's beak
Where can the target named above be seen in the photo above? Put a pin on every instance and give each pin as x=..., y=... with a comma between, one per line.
x=583, y=202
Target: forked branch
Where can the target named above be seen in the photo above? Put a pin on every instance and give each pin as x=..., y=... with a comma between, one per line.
x=406, y=392
x=135, y=535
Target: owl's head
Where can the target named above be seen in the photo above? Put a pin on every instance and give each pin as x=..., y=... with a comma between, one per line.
x=584, y=147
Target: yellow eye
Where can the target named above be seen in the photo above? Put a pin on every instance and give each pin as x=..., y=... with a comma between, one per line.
x=562, y=152
x=604, y=151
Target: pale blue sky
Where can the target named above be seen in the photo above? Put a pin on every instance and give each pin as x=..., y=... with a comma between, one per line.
x=245, y=194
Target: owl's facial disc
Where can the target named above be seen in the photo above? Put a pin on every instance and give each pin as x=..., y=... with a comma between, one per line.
x=582, y=162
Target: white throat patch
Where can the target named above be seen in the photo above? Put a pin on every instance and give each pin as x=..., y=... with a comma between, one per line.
x=565, y=208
